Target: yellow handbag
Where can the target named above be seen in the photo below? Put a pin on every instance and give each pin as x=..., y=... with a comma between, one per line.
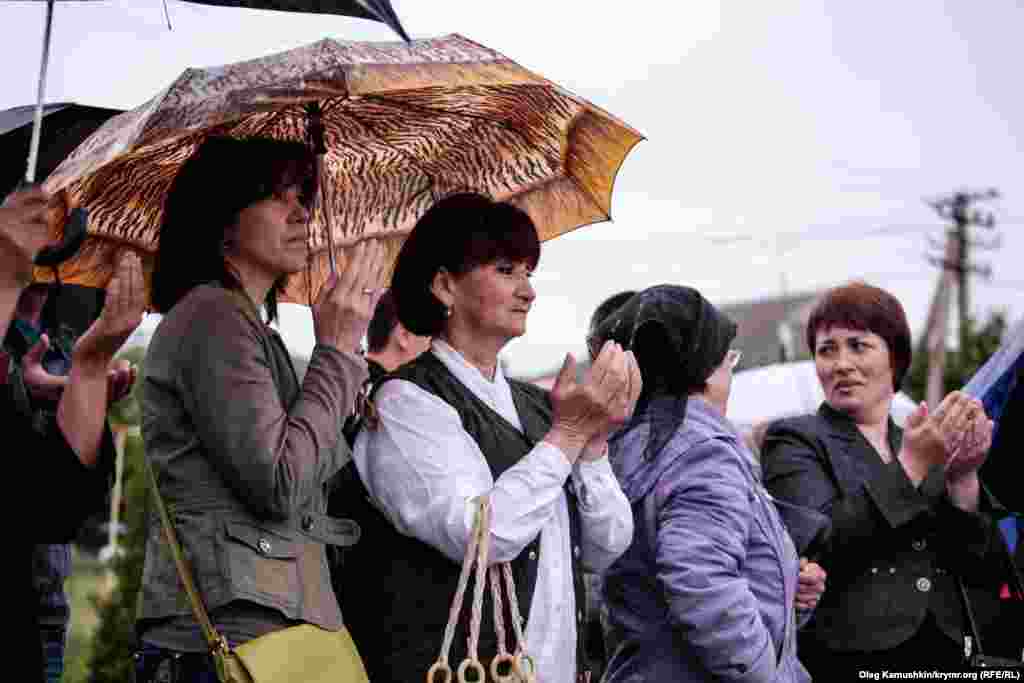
x=298, y=654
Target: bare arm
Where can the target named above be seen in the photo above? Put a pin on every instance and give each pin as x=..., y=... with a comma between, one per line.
x=82, y=411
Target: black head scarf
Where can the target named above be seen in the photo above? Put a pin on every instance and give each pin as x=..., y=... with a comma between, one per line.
x=679, y=340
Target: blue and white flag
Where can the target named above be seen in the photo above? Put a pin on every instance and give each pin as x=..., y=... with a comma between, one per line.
x=996, y=385
x=994, y=382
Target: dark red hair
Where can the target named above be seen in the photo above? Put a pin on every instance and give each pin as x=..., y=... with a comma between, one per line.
x=860, y=306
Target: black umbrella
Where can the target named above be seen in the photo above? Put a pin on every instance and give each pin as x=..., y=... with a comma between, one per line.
x=377, y=10
x=67, y=124
x=22, y=136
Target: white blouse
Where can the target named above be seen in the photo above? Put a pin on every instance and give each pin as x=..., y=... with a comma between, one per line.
x=422, y=469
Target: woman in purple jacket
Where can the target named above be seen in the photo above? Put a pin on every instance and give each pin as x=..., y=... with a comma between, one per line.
x=707, y=590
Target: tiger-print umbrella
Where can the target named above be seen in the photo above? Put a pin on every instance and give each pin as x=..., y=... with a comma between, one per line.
x=405, y=124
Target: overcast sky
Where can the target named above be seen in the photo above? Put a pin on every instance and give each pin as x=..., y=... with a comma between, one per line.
x=791, y=145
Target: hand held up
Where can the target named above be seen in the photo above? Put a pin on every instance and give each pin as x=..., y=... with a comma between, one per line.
x=343, y=310
x=122, y=312
x=594, y=406
x=24, y=231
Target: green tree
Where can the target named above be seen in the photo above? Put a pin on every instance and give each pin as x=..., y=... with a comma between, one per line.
x=961, y=364
x=110, y=659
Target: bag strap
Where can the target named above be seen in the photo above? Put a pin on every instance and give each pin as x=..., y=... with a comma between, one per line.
x=972, y=643
x=520, y=664
x=216, y=641
x=1013, y=581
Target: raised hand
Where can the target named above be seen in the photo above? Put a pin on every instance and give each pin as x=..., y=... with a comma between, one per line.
x=121, y=378
x=923, y=442
x=971, y=450
x=41, y=385
x=621, y=407
x=585, y=409
x=122, y=312
x=343, y=310
x=23, y=232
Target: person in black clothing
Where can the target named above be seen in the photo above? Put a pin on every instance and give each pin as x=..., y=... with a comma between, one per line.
x=908, y=517
x=65, y=456
x=389, y=346
x=37, y=376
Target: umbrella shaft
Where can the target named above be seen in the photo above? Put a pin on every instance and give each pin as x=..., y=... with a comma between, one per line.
x=37, y=124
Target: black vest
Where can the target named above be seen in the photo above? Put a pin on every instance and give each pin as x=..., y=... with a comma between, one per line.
x=396, y=591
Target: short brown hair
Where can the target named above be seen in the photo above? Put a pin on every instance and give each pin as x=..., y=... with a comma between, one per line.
x=458, y=233
x=860, y=306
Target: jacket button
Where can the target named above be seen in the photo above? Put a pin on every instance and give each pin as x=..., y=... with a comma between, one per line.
x=892, y=570
x=264, y=546
x=874, y=570
x=533, y=554
x=919, y=544
x=307, y=523
x=576, y=552
x=924, y=585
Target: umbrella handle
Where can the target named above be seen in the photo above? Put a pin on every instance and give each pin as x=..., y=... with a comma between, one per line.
x=74, y=236
x=37, y=123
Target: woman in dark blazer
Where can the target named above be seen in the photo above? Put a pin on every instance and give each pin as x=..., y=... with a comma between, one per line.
x=908, y=517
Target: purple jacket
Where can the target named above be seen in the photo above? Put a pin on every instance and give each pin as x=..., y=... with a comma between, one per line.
x=706, y=590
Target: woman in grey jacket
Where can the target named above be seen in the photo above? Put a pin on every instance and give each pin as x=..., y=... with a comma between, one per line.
x=241, y=450
x=707, y=590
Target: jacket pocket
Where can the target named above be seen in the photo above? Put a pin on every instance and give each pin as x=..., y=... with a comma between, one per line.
x=262, y=564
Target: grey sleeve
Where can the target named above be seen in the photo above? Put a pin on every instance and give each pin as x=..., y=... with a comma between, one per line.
x=274, y=456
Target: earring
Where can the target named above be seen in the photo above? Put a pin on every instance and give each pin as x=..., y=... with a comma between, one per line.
x=447, y=311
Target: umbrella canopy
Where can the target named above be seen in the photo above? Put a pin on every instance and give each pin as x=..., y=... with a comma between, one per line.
x=404, y=125
x=67, y=125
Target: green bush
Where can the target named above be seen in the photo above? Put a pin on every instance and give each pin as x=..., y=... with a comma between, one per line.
x=110, y=660
x=960, y=364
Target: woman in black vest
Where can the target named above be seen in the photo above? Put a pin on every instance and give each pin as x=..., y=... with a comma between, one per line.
x=450, y=427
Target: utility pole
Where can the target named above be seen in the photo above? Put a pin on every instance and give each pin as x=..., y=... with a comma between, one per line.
x=958, y=207
x=934, y=339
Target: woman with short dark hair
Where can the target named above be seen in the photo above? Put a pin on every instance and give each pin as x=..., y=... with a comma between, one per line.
x=450, y=427
x=907, y=517
x=241, y=450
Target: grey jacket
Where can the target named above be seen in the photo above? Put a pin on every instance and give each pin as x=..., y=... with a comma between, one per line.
x=706, y=591
x=242, y=455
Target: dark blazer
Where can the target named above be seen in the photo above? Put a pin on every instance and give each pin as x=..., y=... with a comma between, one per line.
x=892, y=551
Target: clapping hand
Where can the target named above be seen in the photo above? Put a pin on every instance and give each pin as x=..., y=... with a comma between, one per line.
x=592, y=408
x=971, y=449
x=122, y=312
